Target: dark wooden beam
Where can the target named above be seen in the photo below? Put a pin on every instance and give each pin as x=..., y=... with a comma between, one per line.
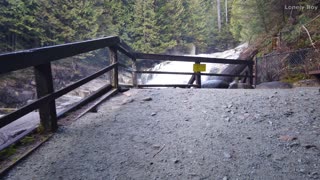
x=166, y=85
x=134, y=73
x=250, y=72
x=192, y=79
x=198, y=76
x=114, y=73
x=98, y=102
x=125, y=51
x=47, y=111
x=165, y=72
x=100, y=92
x=153, y=57
x=189, y=73
x=33, y=57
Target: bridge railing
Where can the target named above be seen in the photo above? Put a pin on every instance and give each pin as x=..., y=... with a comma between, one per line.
x=40, y=59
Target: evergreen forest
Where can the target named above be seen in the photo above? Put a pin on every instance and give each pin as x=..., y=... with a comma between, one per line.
x=156, y=26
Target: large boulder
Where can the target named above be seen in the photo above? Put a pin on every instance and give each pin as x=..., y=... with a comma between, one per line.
x=236, y=69
x=274, y=85
x=215, y=84
x=11, y=97
x=238, y=85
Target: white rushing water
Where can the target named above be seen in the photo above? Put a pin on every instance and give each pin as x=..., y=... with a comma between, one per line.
x=176, y=66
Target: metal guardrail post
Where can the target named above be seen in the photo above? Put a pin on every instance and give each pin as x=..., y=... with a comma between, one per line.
x=47, y=112
x=114, y=73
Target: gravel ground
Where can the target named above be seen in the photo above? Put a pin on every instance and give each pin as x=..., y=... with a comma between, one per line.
x=187, y=134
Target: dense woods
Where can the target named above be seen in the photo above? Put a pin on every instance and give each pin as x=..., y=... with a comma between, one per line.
x=158, y=25
x=147, y=25
x=276, y=24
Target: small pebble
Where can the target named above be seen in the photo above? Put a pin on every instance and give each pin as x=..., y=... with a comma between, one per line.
x=147, y=99
x=227, y=155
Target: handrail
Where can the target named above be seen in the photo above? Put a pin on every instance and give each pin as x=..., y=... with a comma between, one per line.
x=189, y=59
x=191, y=73
x=34, y=57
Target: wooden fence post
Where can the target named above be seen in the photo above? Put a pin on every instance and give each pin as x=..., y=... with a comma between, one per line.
x=256, y=72
x=134, y=74
x=114, y=73
x=198, y=76
x=47, y=112
x=250, y=66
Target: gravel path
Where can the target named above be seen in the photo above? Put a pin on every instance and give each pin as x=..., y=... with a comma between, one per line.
x=187, y=134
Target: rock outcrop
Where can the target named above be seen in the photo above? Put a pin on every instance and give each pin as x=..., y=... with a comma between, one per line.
x=274, y=85
x=215, y=84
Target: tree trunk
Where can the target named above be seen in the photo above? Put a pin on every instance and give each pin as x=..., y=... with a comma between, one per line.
x=226, y=1
x=219, y=15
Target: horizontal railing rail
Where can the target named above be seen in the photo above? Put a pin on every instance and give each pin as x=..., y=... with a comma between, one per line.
x=192, y=73
x=34, y=57
x=153, y=57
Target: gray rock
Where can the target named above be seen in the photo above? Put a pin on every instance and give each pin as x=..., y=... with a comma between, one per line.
x=10, y=97
x=215, y=84
x=147, y=99
x=238, y=85
x=227, y=155
x=274, y=85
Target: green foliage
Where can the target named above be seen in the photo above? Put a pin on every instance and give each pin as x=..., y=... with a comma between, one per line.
x=257, y=21
x=27, y=140
x=11, y=150
x=67, y=21
x=18, y=25
x=292, y=78
x=151, y=26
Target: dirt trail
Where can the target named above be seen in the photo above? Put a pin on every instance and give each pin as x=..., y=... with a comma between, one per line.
x=187, y=134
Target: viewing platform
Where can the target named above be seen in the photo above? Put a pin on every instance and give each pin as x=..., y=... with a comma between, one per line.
x=187, y=134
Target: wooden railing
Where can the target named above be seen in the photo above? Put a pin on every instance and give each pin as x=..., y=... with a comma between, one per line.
x=40, y=59
x=196, y=76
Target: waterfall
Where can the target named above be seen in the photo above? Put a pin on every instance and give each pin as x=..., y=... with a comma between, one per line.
x=178, y=66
